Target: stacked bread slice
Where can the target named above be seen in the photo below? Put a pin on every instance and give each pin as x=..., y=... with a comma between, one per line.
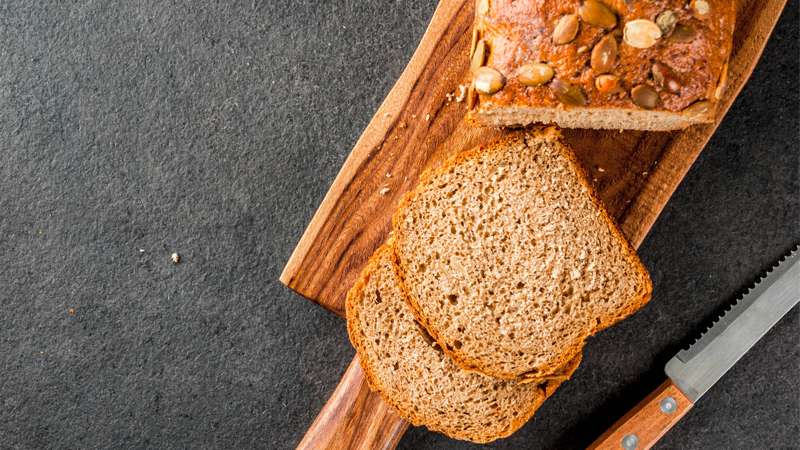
x=417, y=378
x=502, y=263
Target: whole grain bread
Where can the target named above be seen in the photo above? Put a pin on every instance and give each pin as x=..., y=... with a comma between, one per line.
x=417, y=379
x=510, y=261
x=613, y=64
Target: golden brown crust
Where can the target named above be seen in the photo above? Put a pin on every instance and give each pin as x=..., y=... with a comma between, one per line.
x=644, y=276
x=351, y=312
x=464, y=360
x=520, y=32
x=547, y=387
x=630, y=252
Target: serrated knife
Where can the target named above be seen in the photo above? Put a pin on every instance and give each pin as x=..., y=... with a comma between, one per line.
x=692, y=372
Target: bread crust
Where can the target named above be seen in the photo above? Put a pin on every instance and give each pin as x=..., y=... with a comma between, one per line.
x=547, y=388
x=463, y=359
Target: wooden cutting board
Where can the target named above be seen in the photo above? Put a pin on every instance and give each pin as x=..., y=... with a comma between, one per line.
x=418, y=125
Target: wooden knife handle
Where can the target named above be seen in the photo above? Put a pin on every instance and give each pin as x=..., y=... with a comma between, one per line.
x=354, y=418
x=644, y=425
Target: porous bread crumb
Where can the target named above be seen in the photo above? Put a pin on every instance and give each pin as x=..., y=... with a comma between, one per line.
x=176, y=258
x=487, y=244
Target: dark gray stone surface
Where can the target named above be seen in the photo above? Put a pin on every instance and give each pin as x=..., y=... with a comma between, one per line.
x=131, y=130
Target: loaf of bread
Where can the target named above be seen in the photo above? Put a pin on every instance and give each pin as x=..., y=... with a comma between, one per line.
x=613, y=64
x=425, y=387
x=510, y=260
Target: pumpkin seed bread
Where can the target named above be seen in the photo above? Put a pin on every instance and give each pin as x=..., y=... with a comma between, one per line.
x=403, y=364
x=645, y=65
x=510, y=260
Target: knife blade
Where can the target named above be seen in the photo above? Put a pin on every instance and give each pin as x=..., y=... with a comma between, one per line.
x=693, y=371
x=735, y=332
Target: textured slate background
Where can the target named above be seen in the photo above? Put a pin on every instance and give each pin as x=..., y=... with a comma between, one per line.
x=129, y=130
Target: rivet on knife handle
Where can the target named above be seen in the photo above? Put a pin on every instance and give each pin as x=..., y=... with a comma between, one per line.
x=644, y=425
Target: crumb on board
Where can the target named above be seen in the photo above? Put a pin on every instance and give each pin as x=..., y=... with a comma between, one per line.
x=176, y=258
x=384, y=191
x=71, y=311
x=388, y=174
x=644, y=174
x=427, y=117
x=462, y=93
x=600, y=169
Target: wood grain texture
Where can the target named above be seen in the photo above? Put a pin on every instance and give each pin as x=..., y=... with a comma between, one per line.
x=416, y=127
x=648, y=421
x=354, y=418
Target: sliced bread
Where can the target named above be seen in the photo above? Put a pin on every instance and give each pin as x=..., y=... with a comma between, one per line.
x=510, y=260
x=417, y=379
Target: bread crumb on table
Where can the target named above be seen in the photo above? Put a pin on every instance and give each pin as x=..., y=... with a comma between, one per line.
x=176, y=258
x=384, y=191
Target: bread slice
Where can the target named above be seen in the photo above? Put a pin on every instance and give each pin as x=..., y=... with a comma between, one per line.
x=417, y=379
x=510, y=260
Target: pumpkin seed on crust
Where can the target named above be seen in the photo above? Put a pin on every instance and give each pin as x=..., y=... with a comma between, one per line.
x=567, y=93
x=488, y=80
x=535, y=74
